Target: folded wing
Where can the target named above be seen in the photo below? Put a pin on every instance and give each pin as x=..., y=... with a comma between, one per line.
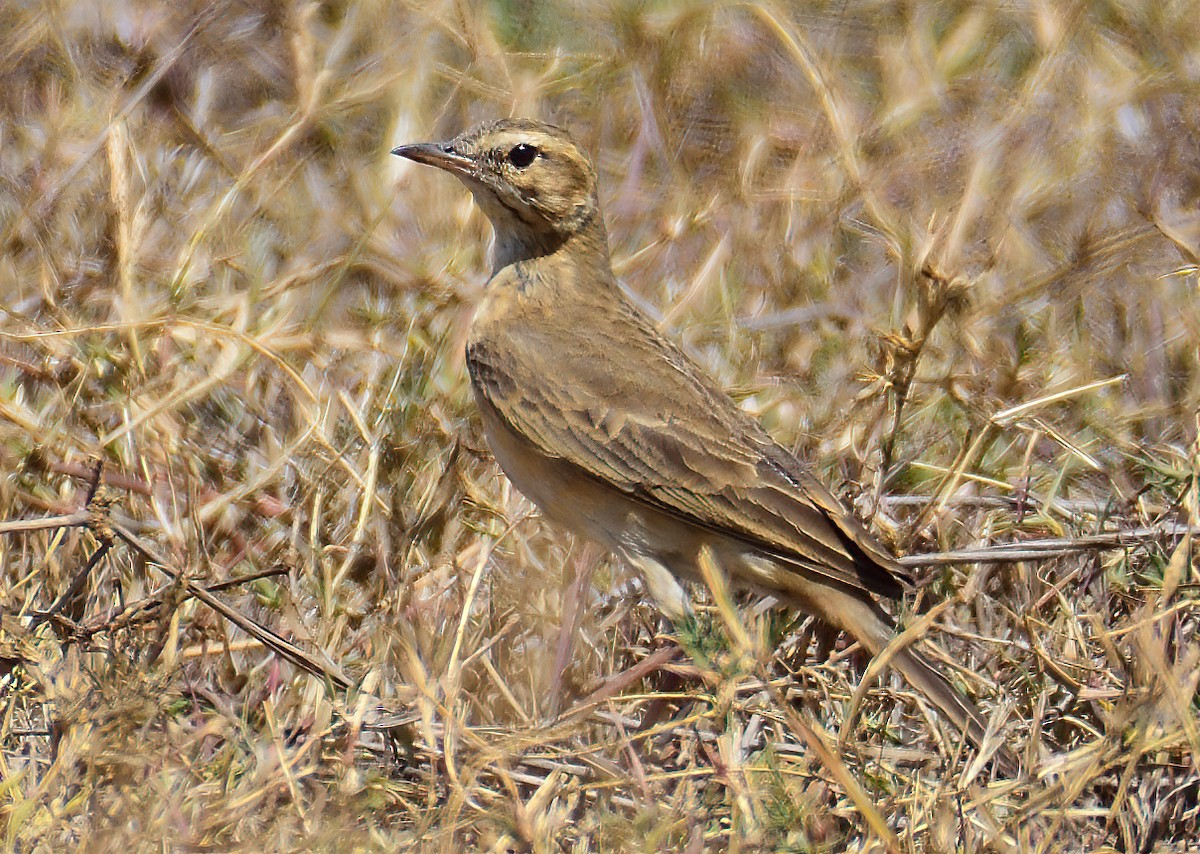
x=670, y=439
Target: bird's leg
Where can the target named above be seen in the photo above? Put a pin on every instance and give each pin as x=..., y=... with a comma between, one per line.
x=576, y=591
x=826, y=637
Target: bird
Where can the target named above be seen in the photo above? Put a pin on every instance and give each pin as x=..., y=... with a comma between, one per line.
x=616, y=434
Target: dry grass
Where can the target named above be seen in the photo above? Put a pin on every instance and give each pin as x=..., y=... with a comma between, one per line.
x=947, y=251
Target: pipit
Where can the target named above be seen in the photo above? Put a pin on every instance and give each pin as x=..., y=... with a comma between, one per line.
x=616, y=434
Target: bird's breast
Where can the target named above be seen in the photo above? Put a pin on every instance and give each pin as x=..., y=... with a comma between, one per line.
x=561, y=491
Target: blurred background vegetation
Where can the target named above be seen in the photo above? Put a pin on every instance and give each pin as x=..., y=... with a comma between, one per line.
x=946, y=251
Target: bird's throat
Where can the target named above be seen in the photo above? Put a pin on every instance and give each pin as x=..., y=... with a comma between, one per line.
x=586, y=245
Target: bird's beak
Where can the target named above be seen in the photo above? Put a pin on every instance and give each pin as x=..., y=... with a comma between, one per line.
x=439, y=154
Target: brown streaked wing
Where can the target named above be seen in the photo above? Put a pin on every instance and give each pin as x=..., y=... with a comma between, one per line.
x=644, y=419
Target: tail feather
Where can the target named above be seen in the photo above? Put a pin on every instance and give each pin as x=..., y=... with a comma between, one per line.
x=864, y=619
x=925, y=677
x=922, y=675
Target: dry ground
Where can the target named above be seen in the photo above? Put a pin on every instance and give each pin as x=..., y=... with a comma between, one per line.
x=946, y=251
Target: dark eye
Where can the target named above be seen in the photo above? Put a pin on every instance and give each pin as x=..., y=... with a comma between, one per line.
x=522, y=155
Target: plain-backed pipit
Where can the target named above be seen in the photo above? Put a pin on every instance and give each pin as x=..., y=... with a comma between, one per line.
x=615, y=433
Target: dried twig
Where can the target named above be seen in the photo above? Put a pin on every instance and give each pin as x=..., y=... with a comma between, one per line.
x=277, y=644
x=1052, y=547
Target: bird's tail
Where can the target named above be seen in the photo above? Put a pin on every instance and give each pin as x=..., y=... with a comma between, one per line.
x=919, y=672
x=922, y=675
x=873, y=628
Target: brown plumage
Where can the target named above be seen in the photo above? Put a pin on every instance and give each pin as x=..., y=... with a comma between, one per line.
x=615, y=433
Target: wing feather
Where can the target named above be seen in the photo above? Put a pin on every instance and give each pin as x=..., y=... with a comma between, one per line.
x=649, y=423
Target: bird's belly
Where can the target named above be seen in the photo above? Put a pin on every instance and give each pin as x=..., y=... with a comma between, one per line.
x=563, y=493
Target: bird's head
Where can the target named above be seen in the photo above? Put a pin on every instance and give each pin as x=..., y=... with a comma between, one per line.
x=534, y=183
